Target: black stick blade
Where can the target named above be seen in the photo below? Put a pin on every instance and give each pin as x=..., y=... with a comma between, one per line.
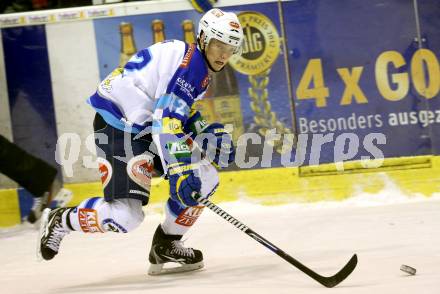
x=332, y=281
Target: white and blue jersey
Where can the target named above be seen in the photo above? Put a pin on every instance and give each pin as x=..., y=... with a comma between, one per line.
x=128, y=96
x=156, y=88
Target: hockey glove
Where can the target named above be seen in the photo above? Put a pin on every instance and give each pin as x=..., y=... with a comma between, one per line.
x=184, y=183
x=217, y=144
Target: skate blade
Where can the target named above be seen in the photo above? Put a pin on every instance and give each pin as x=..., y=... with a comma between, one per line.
x=43, y=225
x=158, y=269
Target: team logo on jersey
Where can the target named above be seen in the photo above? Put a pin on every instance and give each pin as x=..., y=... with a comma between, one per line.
x=140, y=170
x=189, y=216
x=88, y=220
x=107, y=83
x=187, y=58
x=261, y=45
x=185, y=87
x=179, y=149
x=105, y=171
x=200, y=125
x=171, y=125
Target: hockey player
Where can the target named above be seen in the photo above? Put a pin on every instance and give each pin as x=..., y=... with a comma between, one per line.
x=145, y=124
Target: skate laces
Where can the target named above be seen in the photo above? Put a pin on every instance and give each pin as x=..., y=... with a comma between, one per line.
x=179, y=249
x=57, y=234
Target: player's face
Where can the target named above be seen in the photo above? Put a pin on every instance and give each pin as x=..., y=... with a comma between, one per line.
x=218, y=53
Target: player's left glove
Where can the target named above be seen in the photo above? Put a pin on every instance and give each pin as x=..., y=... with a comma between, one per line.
x=217, y=144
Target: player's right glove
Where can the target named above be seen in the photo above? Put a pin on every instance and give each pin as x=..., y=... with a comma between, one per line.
x=184, y=182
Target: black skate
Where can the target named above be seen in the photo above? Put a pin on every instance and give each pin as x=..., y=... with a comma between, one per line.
x=169, y=248
x=52, y=232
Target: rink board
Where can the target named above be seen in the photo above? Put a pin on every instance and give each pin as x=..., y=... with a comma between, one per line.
x=413, y=176
x=331, y=75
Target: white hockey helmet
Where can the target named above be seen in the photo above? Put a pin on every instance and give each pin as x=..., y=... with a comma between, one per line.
x=223, y=26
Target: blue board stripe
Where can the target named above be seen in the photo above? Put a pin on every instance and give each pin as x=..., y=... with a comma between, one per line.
x=30, y=90
x=25, y=200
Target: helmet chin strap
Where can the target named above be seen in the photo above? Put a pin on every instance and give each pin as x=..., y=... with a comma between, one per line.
x=206, y=59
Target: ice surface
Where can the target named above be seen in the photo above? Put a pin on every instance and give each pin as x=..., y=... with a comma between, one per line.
x=386, y=230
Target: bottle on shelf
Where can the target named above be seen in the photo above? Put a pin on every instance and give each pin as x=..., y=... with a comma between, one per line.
x=158, y=28
x=128, y=46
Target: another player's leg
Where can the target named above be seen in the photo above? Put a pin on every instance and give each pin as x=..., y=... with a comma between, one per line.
x=167, y=246
x=34, y=174
x=58, y=199
x=39, y=204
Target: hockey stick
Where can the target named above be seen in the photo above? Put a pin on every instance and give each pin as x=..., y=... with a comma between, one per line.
x=328, y=282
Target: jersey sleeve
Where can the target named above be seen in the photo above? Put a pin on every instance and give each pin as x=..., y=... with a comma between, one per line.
x=172, y=111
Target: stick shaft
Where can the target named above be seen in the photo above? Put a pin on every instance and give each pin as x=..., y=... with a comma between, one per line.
x=325, y=281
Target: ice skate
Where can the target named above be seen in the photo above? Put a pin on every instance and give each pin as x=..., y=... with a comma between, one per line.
x=170, y=249
x=52, y=232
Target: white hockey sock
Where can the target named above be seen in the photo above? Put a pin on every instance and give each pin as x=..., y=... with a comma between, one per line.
x=181, y=223
x=95, y=215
